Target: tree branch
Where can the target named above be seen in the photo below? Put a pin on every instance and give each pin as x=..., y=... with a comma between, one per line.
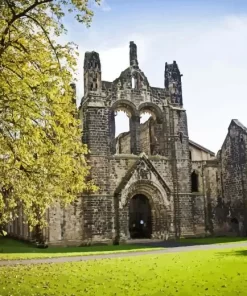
x=47, y=37
x=25, y=11
x=16, y=17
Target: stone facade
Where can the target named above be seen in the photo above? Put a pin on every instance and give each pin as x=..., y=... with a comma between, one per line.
x=157, y=167
x=229, y=215
x=153, y=181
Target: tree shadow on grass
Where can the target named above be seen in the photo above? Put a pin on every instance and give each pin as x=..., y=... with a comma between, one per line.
x=187, y=242
x=234, y=253
x=13, y=246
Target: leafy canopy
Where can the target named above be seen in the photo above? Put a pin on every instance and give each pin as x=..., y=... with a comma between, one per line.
x=42, y=159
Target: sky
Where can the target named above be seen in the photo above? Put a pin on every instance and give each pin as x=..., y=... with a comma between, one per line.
x=207, y=38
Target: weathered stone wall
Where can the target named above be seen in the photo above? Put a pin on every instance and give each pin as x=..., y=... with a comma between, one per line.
x=100, y=170
x=98, y=219
x=88, y=220
x=191, y=215
x=66, y=224
x=97, y=129
x=145, y=138
x=180, y=152
x=19, y=228
x=157, y=137
x=164, y=168
x=210, y=179
x=199, y=154
x=124, y=144
x=120, y=165
x=231, y=206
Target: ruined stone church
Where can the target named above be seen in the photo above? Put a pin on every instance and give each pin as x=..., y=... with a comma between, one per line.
x=154, y=182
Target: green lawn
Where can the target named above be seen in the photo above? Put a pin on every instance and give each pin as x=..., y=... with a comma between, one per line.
x=13, y=249
x=212, y=240
x=208, y=273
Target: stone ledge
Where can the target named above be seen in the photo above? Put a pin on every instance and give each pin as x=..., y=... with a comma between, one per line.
x=96, y=195
x=80, y=243
x=133, y=156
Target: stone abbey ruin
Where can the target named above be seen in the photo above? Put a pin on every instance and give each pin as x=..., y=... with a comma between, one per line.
x=154, y=181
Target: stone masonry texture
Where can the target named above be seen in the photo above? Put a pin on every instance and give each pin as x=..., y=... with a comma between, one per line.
x=190, y=191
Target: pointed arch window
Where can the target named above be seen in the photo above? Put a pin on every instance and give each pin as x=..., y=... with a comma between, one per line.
x=194, y=182
x=190, y=155
x=132, y=82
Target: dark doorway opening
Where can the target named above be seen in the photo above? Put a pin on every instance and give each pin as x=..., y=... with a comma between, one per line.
x=194, y=182
x=234, y=221
x=140, y=217
x=235, y=225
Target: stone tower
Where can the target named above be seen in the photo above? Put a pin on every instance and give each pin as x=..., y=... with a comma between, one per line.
x=155, y=170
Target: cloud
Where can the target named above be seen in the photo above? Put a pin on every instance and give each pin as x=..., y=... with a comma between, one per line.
x=210, y=53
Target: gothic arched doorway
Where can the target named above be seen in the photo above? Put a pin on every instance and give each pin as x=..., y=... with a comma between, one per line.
x=140, y=217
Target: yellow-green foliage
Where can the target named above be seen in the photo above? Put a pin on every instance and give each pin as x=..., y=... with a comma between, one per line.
x=41, y=157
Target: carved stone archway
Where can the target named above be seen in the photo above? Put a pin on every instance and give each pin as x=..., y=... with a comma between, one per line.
x=160, y=209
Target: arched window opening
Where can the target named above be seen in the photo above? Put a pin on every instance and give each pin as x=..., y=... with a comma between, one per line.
x=91, y=86
x=190, y=155
x=194, y=182
x=96, y=85
x=122, y=135
x=145, y=116
x=132, y=82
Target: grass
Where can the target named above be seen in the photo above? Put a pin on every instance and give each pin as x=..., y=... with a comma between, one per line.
x=208, y=273
x=12, y=249
x=212, y=240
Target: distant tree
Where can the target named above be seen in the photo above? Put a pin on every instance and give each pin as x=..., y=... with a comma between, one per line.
x=42, y=159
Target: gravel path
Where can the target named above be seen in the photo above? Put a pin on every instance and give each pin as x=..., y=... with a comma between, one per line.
x=122, y=255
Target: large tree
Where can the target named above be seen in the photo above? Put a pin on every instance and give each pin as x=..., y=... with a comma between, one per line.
x=42, y=159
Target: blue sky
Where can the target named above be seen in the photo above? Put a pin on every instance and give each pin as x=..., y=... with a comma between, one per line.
x=208, y=39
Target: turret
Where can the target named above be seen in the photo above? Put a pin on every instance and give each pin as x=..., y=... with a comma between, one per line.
x=133, y=55
x=173, y=83
x=92, y=72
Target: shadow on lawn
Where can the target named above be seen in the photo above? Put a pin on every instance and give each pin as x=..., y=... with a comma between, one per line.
x=186, y=242
x=13, y=246
x=234, y=253
x=240, y=253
